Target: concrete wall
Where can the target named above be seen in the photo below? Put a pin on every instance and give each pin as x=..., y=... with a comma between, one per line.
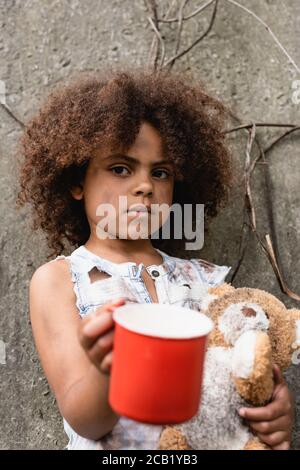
x=41, y=43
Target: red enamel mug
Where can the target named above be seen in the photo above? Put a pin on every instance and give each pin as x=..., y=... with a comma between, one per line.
x=158, y=358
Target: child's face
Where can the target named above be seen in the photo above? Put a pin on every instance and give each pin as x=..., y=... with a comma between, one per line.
x=148, y=179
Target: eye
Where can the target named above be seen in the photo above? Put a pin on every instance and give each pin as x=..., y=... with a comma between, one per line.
x=162, y=171
x=119, y=169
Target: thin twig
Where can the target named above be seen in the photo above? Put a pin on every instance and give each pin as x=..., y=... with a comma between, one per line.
x=155, y=40
x=267, y=149
x=151, y=6
x=247, y=175
x=233, y=2
x=269, y=250
x=185, y=51
x=12, y=115
x=244, y=239
x=162, y=42
x=174, y=20
x=245, y=228
x=259, y=124
x=179, y=30
x=294, y=127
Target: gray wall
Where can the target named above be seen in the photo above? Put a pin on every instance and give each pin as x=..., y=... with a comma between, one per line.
x=41, y=43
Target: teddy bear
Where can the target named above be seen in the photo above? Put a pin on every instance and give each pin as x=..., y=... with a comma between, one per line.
x=252, y=331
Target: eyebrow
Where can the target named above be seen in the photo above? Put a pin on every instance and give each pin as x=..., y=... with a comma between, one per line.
x=132, y=159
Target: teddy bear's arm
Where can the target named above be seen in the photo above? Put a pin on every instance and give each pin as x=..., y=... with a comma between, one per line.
x=252, y=367
x=172, y=439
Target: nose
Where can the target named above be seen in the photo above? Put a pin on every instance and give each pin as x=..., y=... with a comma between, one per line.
x=143, y=186
x=249, y=311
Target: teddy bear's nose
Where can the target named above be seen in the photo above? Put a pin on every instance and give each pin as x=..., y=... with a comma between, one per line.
x=249, y=312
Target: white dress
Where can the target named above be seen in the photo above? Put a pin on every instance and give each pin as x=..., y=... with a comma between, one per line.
x=177, y=282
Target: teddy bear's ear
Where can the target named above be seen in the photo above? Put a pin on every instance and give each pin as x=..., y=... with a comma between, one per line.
x=214, y=293
x=221, y=290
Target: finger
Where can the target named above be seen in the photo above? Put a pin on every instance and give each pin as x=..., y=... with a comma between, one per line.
x=284, y=398
x=268, y=427
x=119, y=301
x=283, y=446
x=108, y=306
x=94, y=328
x=273, y=439
x=106, y=341
x=106, y=364
x=98, y=352
x=116, y=303
x=269, y=412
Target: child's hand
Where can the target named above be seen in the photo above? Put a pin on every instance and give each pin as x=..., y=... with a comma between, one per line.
x=96, y=335
x=273, y=423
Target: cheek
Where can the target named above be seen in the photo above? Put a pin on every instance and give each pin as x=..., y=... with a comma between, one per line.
x=165, y=194
x=97, y=192
x=110, y=198
x=164, y=197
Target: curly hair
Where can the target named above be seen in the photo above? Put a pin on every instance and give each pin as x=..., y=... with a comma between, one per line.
x=107, y=108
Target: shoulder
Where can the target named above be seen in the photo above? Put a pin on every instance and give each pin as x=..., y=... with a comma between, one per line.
x=52, y=276
x=52, y=300
x=52, y=271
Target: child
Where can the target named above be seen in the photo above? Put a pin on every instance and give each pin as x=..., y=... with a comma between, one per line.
x=155, y=139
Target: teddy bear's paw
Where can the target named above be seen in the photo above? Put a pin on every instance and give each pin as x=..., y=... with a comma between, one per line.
x=252, y=367
x=172, y=439
x=255, y=444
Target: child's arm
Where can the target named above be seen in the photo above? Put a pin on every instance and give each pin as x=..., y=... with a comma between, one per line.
x=81, y=389
x=273, y=423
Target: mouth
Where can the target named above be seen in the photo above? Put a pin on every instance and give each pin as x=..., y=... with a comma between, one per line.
x=139, y=209
x=134, y=213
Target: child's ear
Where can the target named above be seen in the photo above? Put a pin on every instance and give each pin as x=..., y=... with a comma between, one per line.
x=77, y=192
